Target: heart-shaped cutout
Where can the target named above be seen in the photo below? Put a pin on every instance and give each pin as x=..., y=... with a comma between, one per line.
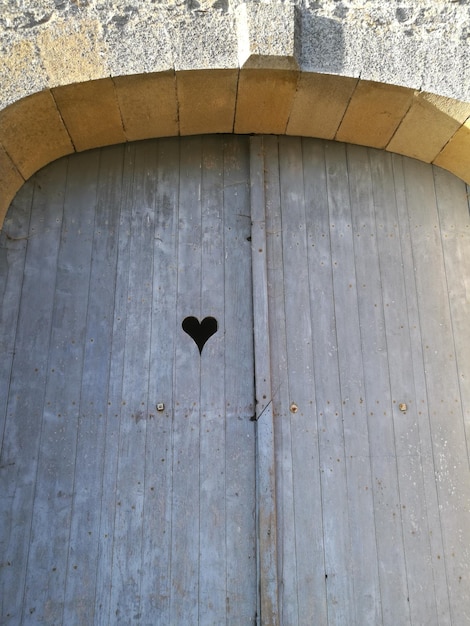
x=200, y=332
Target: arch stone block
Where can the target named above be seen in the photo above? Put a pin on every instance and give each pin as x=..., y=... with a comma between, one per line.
x=148, y=105
x=32, y=133
x=91, y=113
x=206, y=100
x=374, y=113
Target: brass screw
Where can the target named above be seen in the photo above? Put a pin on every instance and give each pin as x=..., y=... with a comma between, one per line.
x=294, y=408
x=402, y=406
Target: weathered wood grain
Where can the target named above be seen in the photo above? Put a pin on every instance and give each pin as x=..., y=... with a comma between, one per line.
x=338, y=228
x=393, y=268
x=240, y=467
x=390, y=550
x=431, y=514
x=156, y=521
x=307, y=526
x=53, y=497
x=130, y=480
x=21, y=437
x=212, y=487
x=450, y=451
x=13, y=243
x=265, y=475
x=337, y=274
x=82, y=581
x=104, y=599
x=186, y=429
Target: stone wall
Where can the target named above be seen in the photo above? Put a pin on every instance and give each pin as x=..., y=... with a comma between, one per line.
x=76, y=74
x=422, y=44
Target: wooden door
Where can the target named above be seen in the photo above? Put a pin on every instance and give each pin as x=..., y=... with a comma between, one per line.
x=128, y=456
x=368, y=262
x=132, y=489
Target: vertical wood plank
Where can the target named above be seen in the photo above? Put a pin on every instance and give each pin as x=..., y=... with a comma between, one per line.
x=240, y=469
x=425, y=439
x=105, y=610
x=266, y=489
x=286, y=553
x=79, y=603
x=128, y=530
x=155, y=575
x=390, y=548
x=21, y=438
x=356, y=428
x=186, y=473
x=454, y=223
x=442, y=386
x=308, y=498
x=212, y=507
x=14, y=237
x=345, y=469
x=453, y=206
x=420, y=578
x=48, y=558
x=342, y=562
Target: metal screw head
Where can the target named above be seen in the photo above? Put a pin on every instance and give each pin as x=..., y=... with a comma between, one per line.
x=294, y=408
x=160, y=406
x=402, y=406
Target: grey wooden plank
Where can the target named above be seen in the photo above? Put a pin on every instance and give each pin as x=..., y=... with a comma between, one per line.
x=240, y=469
x=286, y=558
x=14, y=237
x=212, y=508
x=266, y=488
x=339, y=332
x=130, y=485
x=390, y=547
x=186, y=425
x=423, y=609
x=308, y=496
x=20, y=445
x=52, y=509
x=238, y=286
x=79, y=603
x=343, y=558
x=104, y=607
x=442, y=386
x=156, y=547
x=454, y=220
x=351, y=378
x=432, y=513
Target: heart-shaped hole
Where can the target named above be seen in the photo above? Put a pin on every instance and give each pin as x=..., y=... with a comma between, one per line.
x=200, y=332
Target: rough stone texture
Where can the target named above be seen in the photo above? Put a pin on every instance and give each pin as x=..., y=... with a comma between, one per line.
x=267, y=37
x=21, y=70
x=10, y=181
x=427, y=126
x=456, y=154
x=148, y=105
x=73, y=52
x=273, y=92
x=195, y=90
x=421, y=44
x=33, y=133
x=91, y=114
x=374, y=113
x=205, y=40
x=126, y=69
x=319, y=105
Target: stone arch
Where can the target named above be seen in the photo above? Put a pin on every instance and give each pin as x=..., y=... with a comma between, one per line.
x=77, y=78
